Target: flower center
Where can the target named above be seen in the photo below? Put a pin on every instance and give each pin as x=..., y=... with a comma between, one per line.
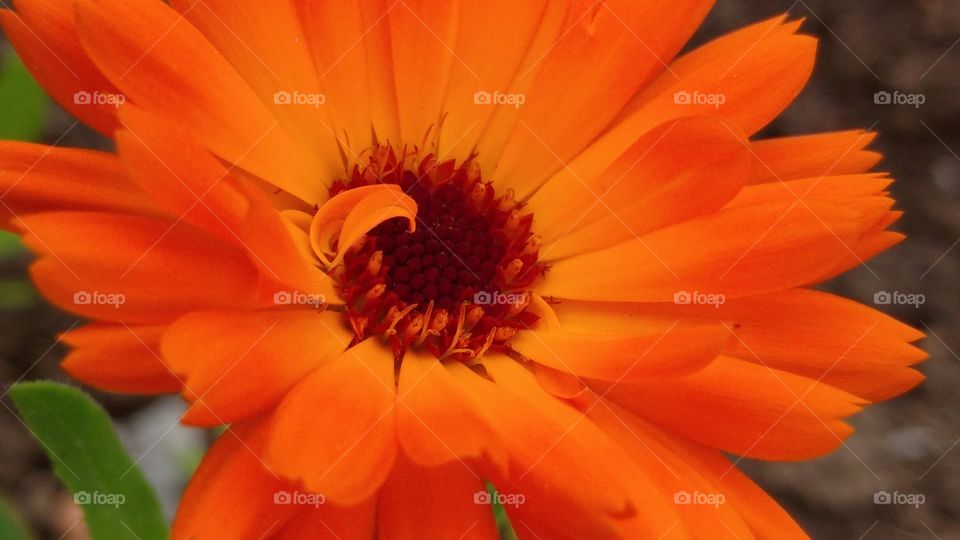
x=459, y=284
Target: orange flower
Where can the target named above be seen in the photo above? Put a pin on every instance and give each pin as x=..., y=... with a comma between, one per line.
x=407, y=248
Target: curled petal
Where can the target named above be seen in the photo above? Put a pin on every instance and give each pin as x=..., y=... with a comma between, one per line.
x=351, y=214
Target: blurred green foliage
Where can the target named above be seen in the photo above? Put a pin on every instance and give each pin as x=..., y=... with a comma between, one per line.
x=11, y=528
x=23, y=104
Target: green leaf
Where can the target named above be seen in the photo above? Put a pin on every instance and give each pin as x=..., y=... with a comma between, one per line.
x=11, y=527
x=23, y=103
x=500, y=515
x=77, y=436
x=16, y=294
x=10, y=245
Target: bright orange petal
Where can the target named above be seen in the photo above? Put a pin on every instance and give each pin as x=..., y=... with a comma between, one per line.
x=233, y=494
x=680, y=170
x=119, y=358
x=751, y=250
x=436, y=502
x=679, y=477
x=805, y=156
x=422, y=34
x=493, y=38
x=36, y=178
x=745, y=409
x=437, y=422
x=311, y=442
x=652, y=349
x=331, y=522
x=134, y=269
x=818, y=335
x=257, y=358
x=272, y=58
x=758, y=70
x=602, y=55
x=182, y=179
x=350, y=44
x=350, y=215
x=689, y=470
x=593, y=491
x=162, y=63
x=192, y=185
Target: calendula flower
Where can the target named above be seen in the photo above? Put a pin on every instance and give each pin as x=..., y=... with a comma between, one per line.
x=406, y=249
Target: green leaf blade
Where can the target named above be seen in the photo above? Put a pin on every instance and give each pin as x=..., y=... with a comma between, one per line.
x=23, y=103
x=77, y=436
x=11, y=526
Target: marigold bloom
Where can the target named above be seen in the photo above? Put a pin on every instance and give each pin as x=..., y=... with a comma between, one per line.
x=407, y=248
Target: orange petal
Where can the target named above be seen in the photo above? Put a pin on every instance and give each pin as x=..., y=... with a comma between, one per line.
x=258, y=356
x=567, y=469
x=818, y=335
x=765, y=517
x=44, y=33
x=345, y=461
x=828, y=338
x=134, y=269
x=680, y=170
x=272, y=59
x=493, y=38
x=693, y=473
x=165, y=65
x=745, y=409
x=653, y=348
x=38, y=178
x=697, y=494
x=805, y=156
x=751, y=250
x=119, y=358
x=233, y=494
x=194, y=186
x=350, y=45
x=331, y=522
x=841, y=189
x=352, y=213
x=182, y=178
x=758, y=70
x=438, y=502
x=437, y=422
x=422, y=34
x=602, y=55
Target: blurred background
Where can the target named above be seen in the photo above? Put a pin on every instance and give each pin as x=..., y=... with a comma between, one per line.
x=908, y=446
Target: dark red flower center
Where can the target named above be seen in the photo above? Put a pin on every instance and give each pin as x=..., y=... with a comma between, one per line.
x=459, y=284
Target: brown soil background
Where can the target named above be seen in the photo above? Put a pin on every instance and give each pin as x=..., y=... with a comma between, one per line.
x=907, y=445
